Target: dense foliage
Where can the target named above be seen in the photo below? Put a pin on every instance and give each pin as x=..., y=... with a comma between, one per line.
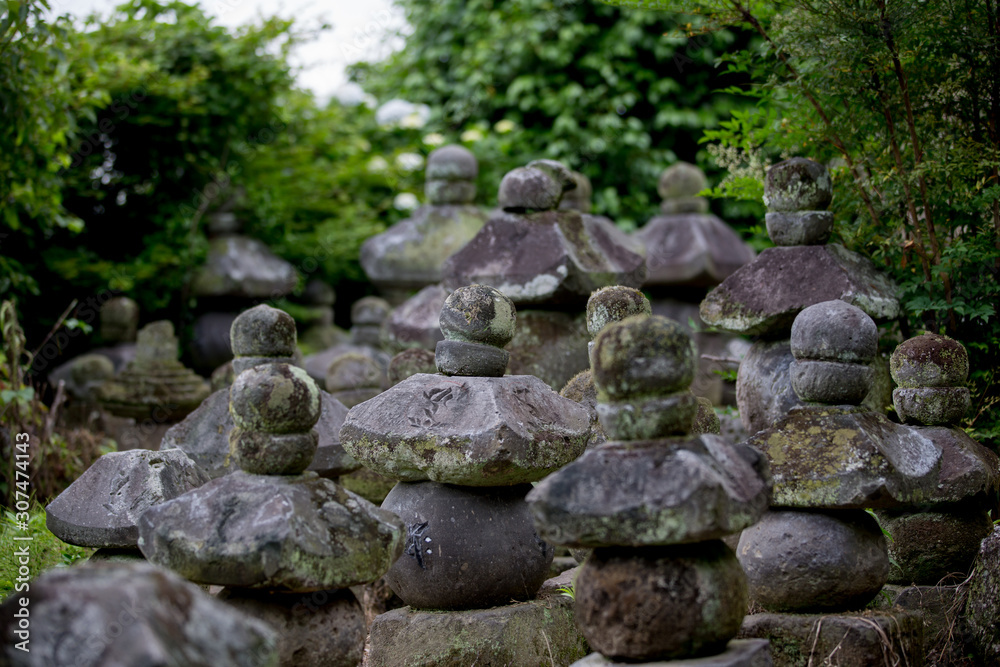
x=618, y=95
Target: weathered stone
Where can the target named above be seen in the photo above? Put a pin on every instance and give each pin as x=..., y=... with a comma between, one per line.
x=222, y=377
x=983, y=606
x=931, y=405
x=970, y=473
x=124, y=615
x=642, y=356
x=318, y=628
x=947, y=640
x=370, y=310
x=927, y=547
x=465, y=547
x=528, y=189
x=119, y=320
x=102, y=507
x=557, y=171
x=691, y=249
x=550, y=345
x=830, y=382
x=453, y=357
x=929, y=360
x=416, y=323
x=799, y=227
x=680, y=181
x=296, y=533
x=798, y=184
x=738, y=653
x=368, y=484
x=274, y=398
x=648, y=418
x=652, y=493
x=847, y=458
x=753, y=301
x=319, y=293
x=410, y=362
x=706, y=421
x=834, y=331
x=263, y=331
x=210, y=345
x=471, y=431
x=614, y=304
x=578, y=198
x=237, y=266
x=317, y=365
x=452, y=163
x=868, y=639
x=537, y=632
x=352, y=372
x=814, y=561
x=660, y=603
x=581, y=389
x=478, y=314
x=86, y=375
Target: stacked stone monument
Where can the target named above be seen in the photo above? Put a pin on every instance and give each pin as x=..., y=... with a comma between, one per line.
x=763, y=297
x=465, y=446
x=547, y=261
x=321, y=333
x=272, y=532
x=688, y=251
x=260, y=335
x=354, y=378
x=408, y=256
x=818, y=550
x=654, y=502
x=578, y=199
x=941, y=536
x=367, y=317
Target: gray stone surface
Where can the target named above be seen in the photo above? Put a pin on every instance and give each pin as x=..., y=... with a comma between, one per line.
x=929, y=360
x=660, y=603
x=295, y=533
x=529, y=189
x=614, y=304
x=471, y=431
x=931, y=405
x=416, y=322
x=642, y=356
x=648, y=418
x=814, y=561
x=928, y=547
x=465, y=547
x=652, y=493
x=754, y=301
x=970, y=473
x=798, y=184
x=318, y=364
x=238, y=266
x=102, y=507
x=681, y=181
x=983, y=606
x=457, y=358
x=263, y=331
x=799, y=228
x=478, y=314
x=126, y=615
x=830, y=381
x=738, y=653
x=410, y=362
x=834, y=331
x=691, y=249
x=550, y=345
x=119, y=320
x=86, y=374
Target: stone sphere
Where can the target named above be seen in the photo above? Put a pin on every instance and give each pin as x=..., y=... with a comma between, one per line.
x=614, y=304
x=528, y=189
x=260, y=453
x=931, y=405
x=478, y=314
x=681, y=180
x=578, y=199
x=263, y=331
x=660, y=603
x=353, y=371
x=928, y=546
x=91, y=368
x=410, y=362
x=814, y=561
x=929, y=360
x=834, y=331
x=119, y=320
x=370, y=310
x=452, y=163
x=798, y=184
x=643, y=356
x=830, y=382
x=274, y=398
x=559, y=172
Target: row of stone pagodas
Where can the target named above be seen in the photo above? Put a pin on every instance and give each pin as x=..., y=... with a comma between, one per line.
x=654, y=502
x=277, y=536
x=763, y=297
x=465, y=446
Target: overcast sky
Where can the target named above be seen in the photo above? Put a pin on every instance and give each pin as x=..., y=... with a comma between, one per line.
x=360, y=30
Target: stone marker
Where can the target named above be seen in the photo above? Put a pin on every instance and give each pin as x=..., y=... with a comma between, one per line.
x=367, y=317
x=415, y=322
x=983, y=606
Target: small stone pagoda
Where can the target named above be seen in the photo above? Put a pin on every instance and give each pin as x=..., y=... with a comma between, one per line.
x=368, y=314
x=654, y=502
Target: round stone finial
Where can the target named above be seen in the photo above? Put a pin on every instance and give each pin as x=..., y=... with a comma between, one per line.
x=89, y=368
x=156, y=342
x=263, y=331
x=529, y=189
x=452, y=163
x=833, y=344
x=798, y=184
x=614, y=304
x=353, y=371
x=119, y=320
x=479, y=314
x=370, y=311
x=559, y=172
x=681, y=180
x=410, y=362
x=930, y=371
x=643, y=356
x=578, y=199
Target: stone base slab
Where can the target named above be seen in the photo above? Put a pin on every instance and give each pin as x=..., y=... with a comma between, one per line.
x=738, y=653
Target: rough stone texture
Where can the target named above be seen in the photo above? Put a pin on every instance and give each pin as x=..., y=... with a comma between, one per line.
x=970, y=473
x=537, y=632
x=866, y=639
x=102, y=507
x=318, y=628
x=410, y=362
x=125, y=615
x=660, y=603
x=318, y=364
x=764, y=296
x=369, y=310
x=614, y=304
x=814, y=561
x=529, y=189
x=652, y=493
x=238, y=266
x=471, y=431
x=416, y=323
x=263, y=331
x=929, y=360
x=830, y=381
x=764, y=392
x=550, y=345
x=478, y=314
x=799, y=228
x=947, y=640
x=681, y=180
x=846, y=458
x=86, y=375
x=465, y=547
x=706, y=421
x=798, y=184
x=983, y=606
x=931, y=405
x=549, y=258
x=927, y=547
x=738, y=653
x=834, y=331
x=457, y=358
x=691, y=249
x=119, y=320
x=370, y=485
x=204, y=437
x=642, y=355
x=581, y=389
x=452, y=163
x=297, y=533
x=648, y=418
x=354, y=371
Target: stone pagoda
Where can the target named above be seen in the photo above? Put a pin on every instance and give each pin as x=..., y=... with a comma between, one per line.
x=368, y=314
x=654, y=502
x=408, y=256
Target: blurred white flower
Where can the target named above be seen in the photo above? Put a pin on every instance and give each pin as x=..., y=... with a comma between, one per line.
x=412, y=121
x=406, y=201
x=472, y=135
x=434, y=139
x=504, y=126
x=402, y=113
x=409, y=161
x=377, y=165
